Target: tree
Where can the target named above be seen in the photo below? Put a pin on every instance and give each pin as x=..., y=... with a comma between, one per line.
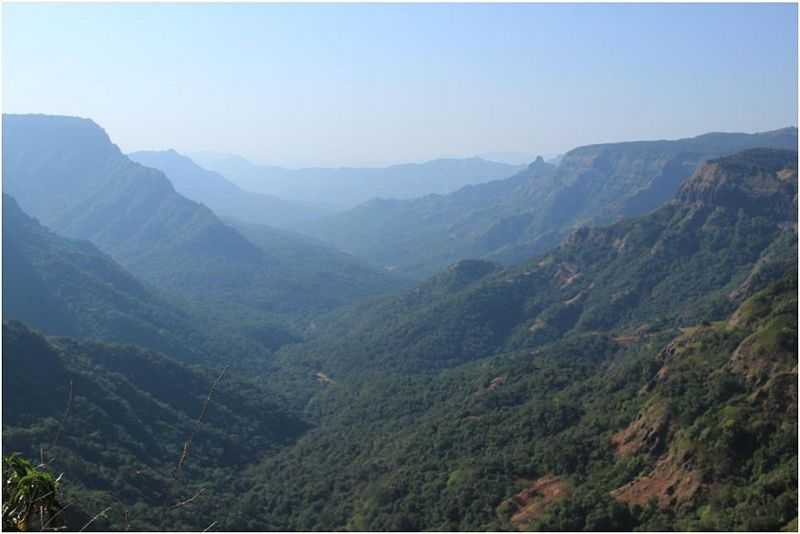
x=29, y=496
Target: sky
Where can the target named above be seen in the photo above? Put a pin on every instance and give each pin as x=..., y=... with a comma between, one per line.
x=372, y=84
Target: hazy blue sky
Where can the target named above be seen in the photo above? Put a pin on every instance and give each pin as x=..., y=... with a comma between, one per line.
x=358, y=84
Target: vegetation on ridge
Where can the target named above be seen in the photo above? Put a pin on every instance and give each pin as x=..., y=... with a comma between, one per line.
x=639, y=376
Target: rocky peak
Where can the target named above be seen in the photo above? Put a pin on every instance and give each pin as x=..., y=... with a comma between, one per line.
x=40, y=132
x=537, y=163
x=760, y=181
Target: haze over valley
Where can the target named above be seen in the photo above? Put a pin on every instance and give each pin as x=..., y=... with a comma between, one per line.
x=586, y=321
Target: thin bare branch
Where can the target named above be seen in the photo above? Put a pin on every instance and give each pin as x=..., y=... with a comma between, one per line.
x=187, y=446
x=92, y=520
x=46, y=495
x=189, y=501
x=56, y=515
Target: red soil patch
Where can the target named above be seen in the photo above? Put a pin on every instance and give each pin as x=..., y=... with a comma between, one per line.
x=535, y=499
x=626, y=340
x=669, y=484
x=641, y=334
x=646, y=434
x=496, y=383
x=663, y=373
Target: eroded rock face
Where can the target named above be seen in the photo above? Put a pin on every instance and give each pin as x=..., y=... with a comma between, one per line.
x=671, y=483
x=758, y=346
x=531, y=502
x=647, y=434
x=758, y=181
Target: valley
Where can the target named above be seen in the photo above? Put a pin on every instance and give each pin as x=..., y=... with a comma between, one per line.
x=626, y=363
x=399, y=267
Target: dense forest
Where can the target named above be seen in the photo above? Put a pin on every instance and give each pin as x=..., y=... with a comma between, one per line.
x=606, y=343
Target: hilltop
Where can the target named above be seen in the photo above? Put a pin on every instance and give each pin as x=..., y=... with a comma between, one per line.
x=510, y=220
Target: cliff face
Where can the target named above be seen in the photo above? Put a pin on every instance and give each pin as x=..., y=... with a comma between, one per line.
x=66, y=172
x=760, y=181
x=511, y=220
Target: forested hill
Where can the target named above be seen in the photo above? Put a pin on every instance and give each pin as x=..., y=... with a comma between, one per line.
x=115, y=420
x=731, y=227
x=68, y=287
x=66, y=172
x=419, y=237
x=691, y=429
x=640, y=376
x=218, y=193
x=531, y=212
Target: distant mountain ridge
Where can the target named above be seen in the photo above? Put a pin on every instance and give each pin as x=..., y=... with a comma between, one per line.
x=530, y=212
x=222, y=196
x=678, y=259
x=66, y=172
x=345, y=187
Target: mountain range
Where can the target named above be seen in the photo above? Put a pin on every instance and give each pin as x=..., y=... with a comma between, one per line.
x=515, y=218
x=641, y=376
x=225, y=198
x=66, y=172
x=731, y=227
x=345, y=187
x=609, y=343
